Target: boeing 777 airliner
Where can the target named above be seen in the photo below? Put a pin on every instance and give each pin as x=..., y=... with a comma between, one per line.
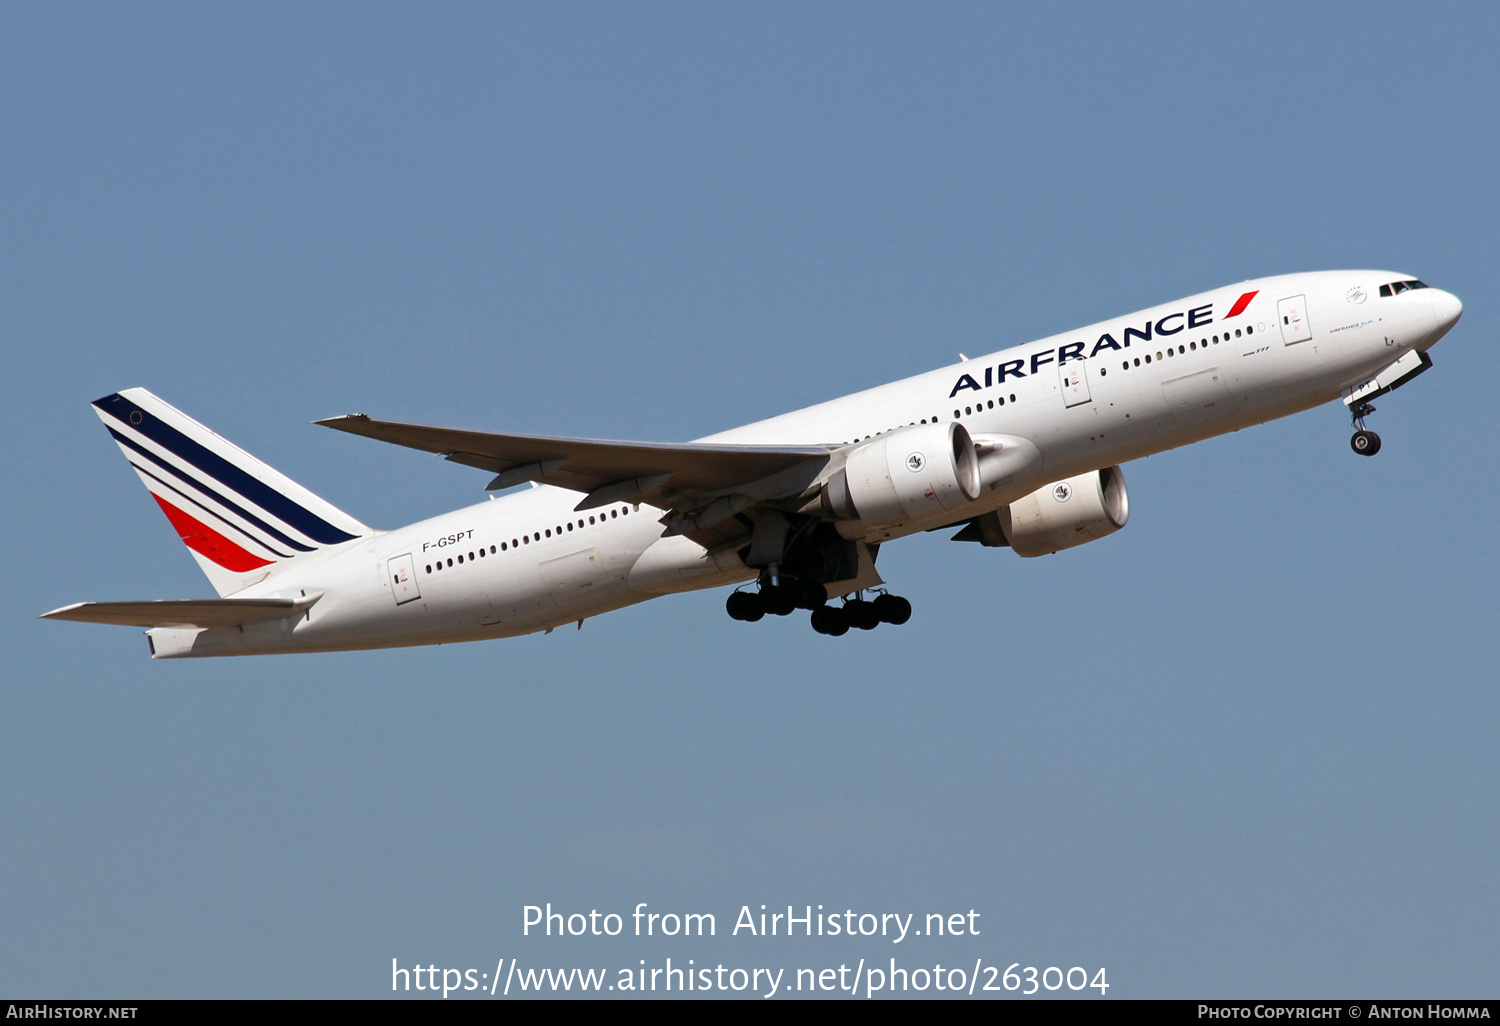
x=1020, y=448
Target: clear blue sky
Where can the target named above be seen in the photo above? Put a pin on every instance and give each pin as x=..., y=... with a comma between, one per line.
x=1247, y=746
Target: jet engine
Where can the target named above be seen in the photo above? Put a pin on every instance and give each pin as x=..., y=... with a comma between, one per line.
x=910, y=473
x=1066, y=513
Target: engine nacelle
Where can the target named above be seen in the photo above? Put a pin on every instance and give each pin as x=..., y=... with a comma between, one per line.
x=910, y=473
x=1067, y=513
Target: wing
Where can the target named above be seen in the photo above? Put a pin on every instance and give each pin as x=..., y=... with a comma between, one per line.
x=183, y=612
x=666, y=475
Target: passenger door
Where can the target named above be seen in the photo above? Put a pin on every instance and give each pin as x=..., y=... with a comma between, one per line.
x=403, y=576
x=1292, y=313
x=1073, y=379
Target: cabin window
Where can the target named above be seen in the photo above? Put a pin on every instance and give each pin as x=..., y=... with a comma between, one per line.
x=429, y=568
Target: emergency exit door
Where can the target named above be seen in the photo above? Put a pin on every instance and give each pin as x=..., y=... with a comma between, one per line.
x=403, y=577
x=1292, y=313
x=1074, y=379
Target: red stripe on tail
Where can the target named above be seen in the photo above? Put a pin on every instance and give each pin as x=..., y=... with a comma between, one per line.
x=1240, y=304
x=205, y=540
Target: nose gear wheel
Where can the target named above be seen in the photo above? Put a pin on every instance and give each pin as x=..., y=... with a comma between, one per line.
x=1365, y=442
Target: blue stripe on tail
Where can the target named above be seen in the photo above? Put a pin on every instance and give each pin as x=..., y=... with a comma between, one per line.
x=257, y=521
x=228, y=525
x=220, y=469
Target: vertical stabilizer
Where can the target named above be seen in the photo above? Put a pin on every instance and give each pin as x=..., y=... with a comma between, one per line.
x=240, y=518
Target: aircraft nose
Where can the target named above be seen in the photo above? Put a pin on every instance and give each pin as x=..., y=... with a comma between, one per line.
x=1447, y=309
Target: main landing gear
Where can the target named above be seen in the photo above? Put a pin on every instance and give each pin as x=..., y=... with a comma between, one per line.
x=1364, y=442
x=856, y=611
x=864, y=614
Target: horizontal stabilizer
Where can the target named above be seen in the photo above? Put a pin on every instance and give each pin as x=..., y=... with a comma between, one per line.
x=184, y=612
x=588, y=465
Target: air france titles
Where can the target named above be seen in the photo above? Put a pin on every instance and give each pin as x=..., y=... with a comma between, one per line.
x=1162, y=327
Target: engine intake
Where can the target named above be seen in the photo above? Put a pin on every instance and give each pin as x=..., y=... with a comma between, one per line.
x=1067, y=513
x=913, y=472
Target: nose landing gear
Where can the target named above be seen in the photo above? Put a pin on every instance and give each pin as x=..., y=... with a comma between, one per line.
x=1364, y=442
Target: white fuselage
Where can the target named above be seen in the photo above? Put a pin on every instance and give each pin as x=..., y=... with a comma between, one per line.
x=1151, y=381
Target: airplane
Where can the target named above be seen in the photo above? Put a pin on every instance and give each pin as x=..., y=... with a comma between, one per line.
x=1021, y=448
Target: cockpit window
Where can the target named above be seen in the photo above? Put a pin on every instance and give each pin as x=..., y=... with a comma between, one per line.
x=1397, y=287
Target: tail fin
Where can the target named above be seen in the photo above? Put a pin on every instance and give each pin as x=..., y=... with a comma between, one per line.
x=240, y=518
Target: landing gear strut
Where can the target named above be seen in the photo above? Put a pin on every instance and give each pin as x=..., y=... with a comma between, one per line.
x=1364, y=442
